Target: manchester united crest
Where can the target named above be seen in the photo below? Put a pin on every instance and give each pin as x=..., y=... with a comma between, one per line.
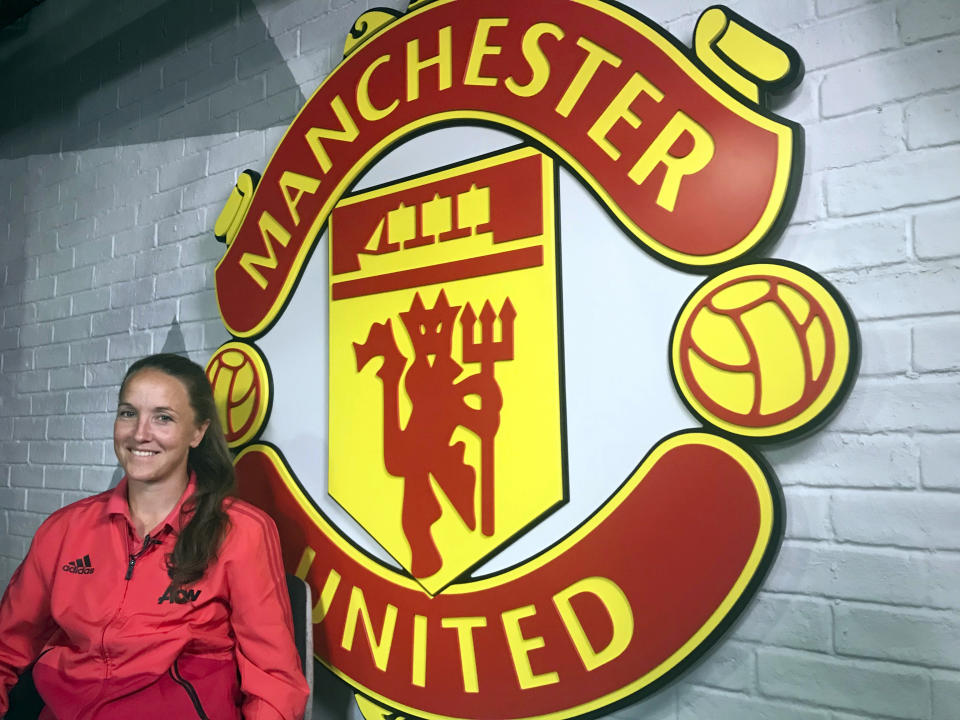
x=524, y=350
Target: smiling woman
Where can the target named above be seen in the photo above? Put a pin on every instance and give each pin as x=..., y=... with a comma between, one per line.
x=164, y=596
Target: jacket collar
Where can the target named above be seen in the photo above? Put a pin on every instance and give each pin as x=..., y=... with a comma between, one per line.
x=117, y=504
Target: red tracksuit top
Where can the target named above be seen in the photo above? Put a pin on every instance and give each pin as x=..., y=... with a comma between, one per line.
x=92, y=600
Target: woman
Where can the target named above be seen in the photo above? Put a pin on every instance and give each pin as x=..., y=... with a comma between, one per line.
x=161, y=598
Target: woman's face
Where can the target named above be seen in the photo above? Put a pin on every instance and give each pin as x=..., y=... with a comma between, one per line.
x=155, y=427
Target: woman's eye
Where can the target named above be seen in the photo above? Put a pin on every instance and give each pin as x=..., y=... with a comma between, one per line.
x=125, y=413
x=164, y=418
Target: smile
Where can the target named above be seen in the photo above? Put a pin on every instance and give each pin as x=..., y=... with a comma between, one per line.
x=143, y=453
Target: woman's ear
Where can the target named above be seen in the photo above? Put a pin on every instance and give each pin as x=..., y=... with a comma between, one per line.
x=200, y=432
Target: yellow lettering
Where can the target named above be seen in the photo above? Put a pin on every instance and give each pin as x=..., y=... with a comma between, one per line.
x=618, y=608
x=322, y=606
x=380, y=648
x=468, y=658
x=347, y=133
x=365, y=105
x=619, y=109
x=677, y=167
x=302, y=184
x=596, y=55
x=418, y=672
x=536, y=59
x=251, y=262
x=481, y=49
x=442, y=60
x=520, y=648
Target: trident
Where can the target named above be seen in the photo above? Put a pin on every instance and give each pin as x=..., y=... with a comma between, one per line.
x=487, y=352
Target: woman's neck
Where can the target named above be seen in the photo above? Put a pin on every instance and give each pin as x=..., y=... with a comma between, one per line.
x=150, y=503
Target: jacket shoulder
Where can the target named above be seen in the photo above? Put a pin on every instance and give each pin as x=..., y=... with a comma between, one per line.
x=86, y=509
x=248, y=522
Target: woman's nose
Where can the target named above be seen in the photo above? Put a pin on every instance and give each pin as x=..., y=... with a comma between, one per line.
x=142, y=431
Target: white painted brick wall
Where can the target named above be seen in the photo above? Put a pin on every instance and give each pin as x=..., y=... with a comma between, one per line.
x=106, y=208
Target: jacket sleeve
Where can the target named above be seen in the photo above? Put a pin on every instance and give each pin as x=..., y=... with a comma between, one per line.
x=271, y=680
x=25, y=621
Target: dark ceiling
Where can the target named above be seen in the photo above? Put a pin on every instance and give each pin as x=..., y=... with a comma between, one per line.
x=13, y=10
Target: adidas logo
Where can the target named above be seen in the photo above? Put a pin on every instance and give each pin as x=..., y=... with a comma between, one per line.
x=80, y=566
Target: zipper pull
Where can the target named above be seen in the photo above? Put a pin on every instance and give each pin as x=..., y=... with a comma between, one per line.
x=147, y=542
x=130, y=565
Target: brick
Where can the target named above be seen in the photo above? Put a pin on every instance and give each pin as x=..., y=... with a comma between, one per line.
x=134, y=240
x=96, y=251
x=234, y=97
x=808, y=515
x=98, y=426
x=278, y=109
x=88, y=351
x=185, y=120
x=94, y=201
x=160, y=313
x=130, y=346
x=940, y=461
x=933, y=120
x=114, y=221
x=17, y=360
x=181, y=281
x=74, y=281
x=946, y=696
x=75, y=328
x=935, y=232
x=865, y=686
x=853, y=139
x=787, y=621
x=157, y=154
x=890, y=293
x=53, y=309
x=138, y=85
x=40, y=289
x=120, y=123
x=27, y=476
x=914, y=637
x=61, y=478
x=235, y=40
x=202, y=249
x=135, y=292
x=109, y=374
x=214, y=335
x=903, y=519
x=137, y=186
x=899, y=75
x=44, y=501
x=112, y=322
x=52, y=356
x=699, y=703
x=731, y=666
x=930, y=403
x=83, y=453
x=205, y=83
x=24, y=523
x=179, y=67
x=292, y=15
x=29, y=428
x=943, y=584
x=931, y=18
x=843, y=460
x=55, y=262
x=239, y=152
x=852, y=573
x=49, y=403
x=45, y=452
x=917, y=177
x=9, y=338
x=661, y=706
x=199, y=306
x=67, y=378
x=847, y=244
x=183, y=170
x=157, y=260
x=91, y=301
x=76, y=232
x=188, y=223
x=936, y=344
x=98, y=479
x=28, y=382
x=88, y=400
x=159, y=206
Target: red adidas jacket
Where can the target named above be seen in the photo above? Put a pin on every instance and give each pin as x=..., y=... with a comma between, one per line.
x=93, y=602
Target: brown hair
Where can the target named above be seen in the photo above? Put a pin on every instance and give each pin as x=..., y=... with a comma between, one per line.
x=200, y=538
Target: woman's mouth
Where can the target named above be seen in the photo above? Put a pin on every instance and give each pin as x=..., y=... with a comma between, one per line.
x=143, y=453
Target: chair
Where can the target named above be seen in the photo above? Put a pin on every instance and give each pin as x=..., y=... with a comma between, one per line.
x=301, y=603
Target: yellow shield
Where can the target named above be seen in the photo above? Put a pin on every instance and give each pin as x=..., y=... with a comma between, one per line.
x=446, y=419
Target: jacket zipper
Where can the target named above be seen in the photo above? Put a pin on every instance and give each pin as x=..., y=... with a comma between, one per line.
x=189, y=689
x=147, y=542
